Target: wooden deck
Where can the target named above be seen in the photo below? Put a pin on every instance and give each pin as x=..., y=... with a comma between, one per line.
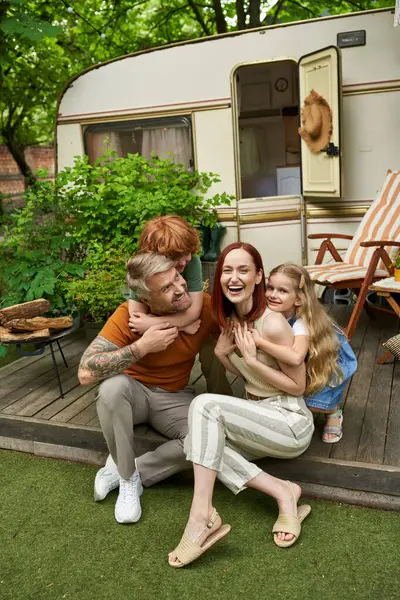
x=34, y=418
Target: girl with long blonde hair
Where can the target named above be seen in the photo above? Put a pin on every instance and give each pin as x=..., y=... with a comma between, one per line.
x=330, y=361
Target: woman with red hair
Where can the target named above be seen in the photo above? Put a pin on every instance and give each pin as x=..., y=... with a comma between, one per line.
x=225, y=433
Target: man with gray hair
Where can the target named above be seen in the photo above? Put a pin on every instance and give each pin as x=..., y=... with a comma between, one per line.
x=146, y=381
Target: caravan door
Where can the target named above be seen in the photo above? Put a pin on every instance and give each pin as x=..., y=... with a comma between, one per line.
x=322, y=170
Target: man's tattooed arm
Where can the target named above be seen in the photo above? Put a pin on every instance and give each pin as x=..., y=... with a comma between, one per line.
x=103, y=359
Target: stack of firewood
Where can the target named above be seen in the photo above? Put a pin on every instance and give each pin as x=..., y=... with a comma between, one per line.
x=25, y=320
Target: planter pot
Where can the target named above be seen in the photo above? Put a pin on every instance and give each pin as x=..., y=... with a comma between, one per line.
x=397, y=275
x=92, y=330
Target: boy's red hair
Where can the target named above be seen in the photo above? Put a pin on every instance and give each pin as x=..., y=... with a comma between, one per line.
x=221, y=307
x=169, y=235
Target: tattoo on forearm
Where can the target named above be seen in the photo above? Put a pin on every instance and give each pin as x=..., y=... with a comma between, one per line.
x=104, y=359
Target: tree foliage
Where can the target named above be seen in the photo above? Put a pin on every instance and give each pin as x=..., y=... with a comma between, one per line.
x=44, y=43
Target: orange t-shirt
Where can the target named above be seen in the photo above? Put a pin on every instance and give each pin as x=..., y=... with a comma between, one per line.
x=169, y=369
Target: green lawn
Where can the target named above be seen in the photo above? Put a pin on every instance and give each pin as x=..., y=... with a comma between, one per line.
x=56, y=542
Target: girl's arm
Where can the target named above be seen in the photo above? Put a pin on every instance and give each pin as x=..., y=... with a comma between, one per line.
x=140, y=321
x=291, y=380
x=280, y=332
x=290, y=355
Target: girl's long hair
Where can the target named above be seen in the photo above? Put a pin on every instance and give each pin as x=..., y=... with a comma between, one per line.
x=321, y=367
x=221, y=307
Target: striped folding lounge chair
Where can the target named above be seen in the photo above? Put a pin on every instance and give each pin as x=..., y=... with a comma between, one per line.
x=369, y=255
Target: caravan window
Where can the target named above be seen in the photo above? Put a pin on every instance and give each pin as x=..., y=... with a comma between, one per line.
x=166, y=137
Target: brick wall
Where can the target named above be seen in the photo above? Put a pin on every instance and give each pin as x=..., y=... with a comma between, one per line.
x=11, y=180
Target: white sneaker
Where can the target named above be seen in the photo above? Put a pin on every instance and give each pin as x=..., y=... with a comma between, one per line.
x=107, y=479
x=127, y=508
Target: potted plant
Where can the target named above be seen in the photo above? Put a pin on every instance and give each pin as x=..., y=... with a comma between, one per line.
x=396, y=264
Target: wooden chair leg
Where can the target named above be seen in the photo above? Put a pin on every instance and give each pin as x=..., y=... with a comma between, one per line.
x=355, y=315
x=383, y=358
x=363, y=293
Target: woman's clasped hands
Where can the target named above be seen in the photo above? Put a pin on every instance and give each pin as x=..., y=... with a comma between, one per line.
x=244, y=341
x=226, y=342
x=240, y=337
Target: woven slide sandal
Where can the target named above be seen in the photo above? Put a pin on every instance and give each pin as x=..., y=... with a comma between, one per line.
x=187, y=551
x=287, y=523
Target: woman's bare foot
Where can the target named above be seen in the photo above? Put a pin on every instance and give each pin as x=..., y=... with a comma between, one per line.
x=287, y=503
x=197, y=531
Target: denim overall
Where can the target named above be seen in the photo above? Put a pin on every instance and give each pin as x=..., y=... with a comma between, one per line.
x=330, y=396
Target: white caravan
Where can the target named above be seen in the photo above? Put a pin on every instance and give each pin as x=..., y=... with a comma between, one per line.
x=231, y=104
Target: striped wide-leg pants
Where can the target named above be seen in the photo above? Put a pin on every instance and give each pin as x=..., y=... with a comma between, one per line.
x=225, y=433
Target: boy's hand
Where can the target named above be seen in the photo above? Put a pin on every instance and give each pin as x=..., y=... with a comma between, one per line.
x=157, y=338
x=141, y=322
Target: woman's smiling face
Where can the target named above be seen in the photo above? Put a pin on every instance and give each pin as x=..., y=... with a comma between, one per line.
x=239, y=276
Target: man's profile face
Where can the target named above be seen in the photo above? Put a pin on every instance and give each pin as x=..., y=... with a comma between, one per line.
x=168, y=293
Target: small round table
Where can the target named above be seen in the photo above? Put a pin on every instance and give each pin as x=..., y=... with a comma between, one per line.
x=40, y=347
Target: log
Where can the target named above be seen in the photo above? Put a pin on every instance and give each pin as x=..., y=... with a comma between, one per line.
x=24, y=337
x=38, y=323
x=25, y=310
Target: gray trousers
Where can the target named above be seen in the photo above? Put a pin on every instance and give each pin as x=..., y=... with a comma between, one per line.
x=123, y=402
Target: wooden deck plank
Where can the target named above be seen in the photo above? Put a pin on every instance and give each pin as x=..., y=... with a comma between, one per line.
x=94, y=422
x=42, y=370
x=392, y=448
x=33, y=390
x=58, y=406
x=88, y=414
x=48, y=394
x=39, y=367
x=24, y=362
x=65, y=434
x=46, y=384
x=87, y=396
x=371, y=447
x=317, y=447
x=357, y=396
x=337, y=473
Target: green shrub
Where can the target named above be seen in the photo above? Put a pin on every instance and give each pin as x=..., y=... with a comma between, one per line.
x=100, y=291
x=110, y=201
x=34, y=254
x=79, y=230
